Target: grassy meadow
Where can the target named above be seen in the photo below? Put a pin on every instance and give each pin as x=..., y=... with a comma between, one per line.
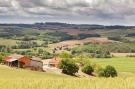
x=12, y=78
x=7, y=42
x=122, y=64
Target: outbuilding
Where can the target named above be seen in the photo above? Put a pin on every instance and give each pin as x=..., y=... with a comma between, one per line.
x=51, y=63
x=16, y=60
x=36, y=63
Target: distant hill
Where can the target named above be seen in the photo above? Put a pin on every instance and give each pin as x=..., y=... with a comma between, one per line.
x=57, y=25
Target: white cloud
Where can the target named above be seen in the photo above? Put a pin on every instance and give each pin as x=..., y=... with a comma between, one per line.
x=89, y=11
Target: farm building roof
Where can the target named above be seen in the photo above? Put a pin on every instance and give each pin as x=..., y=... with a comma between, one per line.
x=36, y=59
x=16, y=56
x=10, y=59
x=13, y=57
x=53, y=61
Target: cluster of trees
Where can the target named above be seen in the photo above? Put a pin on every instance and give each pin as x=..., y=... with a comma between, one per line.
x=119, y=38
x=104, y=50
x=123, y=39
x=62, y=36
x=92, y=50
x=5, y=49
x=28, y=38
x=36, y=52
x=25, y=45
x=83, y=36
x=71, y=66
x=10, y=32
x=101, y=54
x=44, y=54
x=130, y=35
x=108, y=71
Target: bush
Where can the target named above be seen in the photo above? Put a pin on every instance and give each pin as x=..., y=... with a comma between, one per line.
x=88, y=69
x=101, y=73
x=130, y=55
x=68, y=67
x=65, y=55
x=109, y=71
x=1, y=58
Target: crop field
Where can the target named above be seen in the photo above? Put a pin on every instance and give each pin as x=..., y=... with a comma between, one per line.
x=71, y=43
x=12, y=78
x=122, y=54
x=7, y=42
x=122, y=64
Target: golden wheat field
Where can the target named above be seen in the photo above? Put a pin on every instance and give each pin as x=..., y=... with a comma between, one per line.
x=11, y=78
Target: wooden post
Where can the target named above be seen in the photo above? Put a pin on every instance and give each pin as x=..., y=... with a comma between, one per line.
x=8, y=63
x=11, y=64
x=18, y=64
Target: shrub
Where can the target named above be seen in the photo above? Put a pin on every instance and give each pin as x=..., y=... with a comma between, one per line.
x=68, y=67
x=82, y=60
x=101, y=73
x=130, y=55
x=46, y=55
x=109, y=71
x=88, y=69
x=65, y=55
x=1, y=58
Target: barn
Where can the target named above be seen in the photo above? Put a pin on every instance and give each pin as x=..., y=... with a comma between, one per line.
x=36, y=63
x=16, y=60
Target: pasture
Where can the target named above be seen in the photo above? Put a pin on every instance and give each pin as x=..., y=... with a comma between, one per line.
x=7, y=42
x=122, y=64
x=12, y=78
x=24, y=79
x=72, y=43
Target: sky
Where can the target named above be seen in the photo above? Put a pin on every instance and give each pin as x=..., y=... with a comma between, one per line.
x=106, y=12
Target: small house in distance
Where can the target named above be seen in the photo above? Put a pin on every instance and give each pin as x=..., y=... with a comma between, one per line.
x=51, y=63
x=16, y=60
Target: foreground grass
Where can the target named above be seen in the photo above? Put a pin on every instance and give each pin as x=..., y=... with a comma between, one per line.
x=25, y=79
x=122, y=64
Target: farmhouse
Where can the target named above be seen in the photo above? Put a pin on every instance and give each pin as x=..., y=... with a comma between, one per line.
x=34, y=63
x=16, y=60
x=51, y=63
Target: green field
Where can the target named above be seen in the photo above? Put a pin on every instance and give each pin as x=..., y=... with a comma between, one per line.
x=7, y=42
x=23, y=79
x=12, y=78
x=122, y=64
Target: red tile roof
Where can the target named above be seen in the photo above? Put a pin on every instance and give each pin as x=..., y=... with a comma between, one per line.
x=53, y=60
x=8, y=58
x=18, y=57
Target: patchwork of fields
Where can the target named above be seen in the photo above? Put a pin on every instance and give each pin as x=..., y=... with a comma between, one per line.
x=47, y=41
x=12, y=78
